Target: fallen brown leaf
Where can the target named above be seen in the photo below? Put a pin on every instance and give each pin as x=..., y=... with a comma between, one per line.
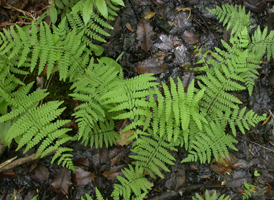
x=41, y=172
x=149, y=14
x=144, y=35
x=83, y=178
x=62, y=181
x=151, y=65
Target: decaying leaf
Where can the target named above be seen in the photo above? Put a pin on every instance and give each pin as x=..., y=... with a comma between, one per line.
x=116, y=155
x=151, y=65
x=62, y=181
x=223, y=165
x=149, y=14
x=113, y=172
x=189, y=37
x=144, y=35
x=124, y=137
x=83, y=177
x=41, y=172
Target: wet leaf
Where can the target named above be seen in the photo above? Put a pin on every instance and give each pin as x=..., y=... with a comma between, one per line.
x=236, y=181
x=144, y=35
x=189, y=37
x=41, y=172
x=124, y=137
x=116, y=155
x=151, y=65
x=113, y=172
x=223, y=165
x=82, y=178
x=100, y=157
x=84, y=163
x=149, y=14
x=62, y=180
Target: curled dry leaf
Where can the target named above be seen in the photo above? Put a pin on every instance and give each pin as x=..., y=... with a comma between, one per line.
x=129, y=27
x=151, y=65
x=144, y=35
x=183, y=9
x=149, y=14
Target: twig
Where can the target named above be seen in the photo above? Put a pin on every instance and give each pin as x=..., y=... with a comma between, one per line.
x=256, y=144
x=23, y=160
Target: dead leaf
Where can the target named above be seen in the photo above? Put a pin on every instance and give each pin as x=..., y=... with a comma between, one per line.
x=41, y=172
x=189, y=37
x=149, y=14
x=113, y=172
x=144, y=35
x=151, y=65
x=83, y=178
x=160, y=55
x=116, y=155
x=62, y=181
x=124, y=136
x=100, y=157
x=223, y=165
x=129, y=27
x=84, y=163
x=183, y=9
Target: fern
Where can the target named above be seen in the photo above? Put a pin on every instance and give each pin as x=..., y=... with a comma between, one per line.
x=131, y=100
x=183, y=106
x=89, y=89
x=211, y=141
x=213, y=197
x=32, y=125
x=232, y=17
x=99, y=196
x=134, y=180
x=66, y=54
x=152, y=153
x=241, y=118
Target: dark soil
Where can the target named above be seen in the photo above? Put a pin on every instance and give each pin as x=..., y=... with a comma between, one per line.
x=169, y=51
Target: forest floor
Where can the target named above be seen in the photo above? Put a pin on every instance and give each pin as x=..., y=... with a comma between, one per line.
x=172, y=28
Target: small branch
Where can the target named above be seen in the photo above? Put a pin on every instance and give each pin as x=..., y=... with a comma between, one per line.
x=23, y=160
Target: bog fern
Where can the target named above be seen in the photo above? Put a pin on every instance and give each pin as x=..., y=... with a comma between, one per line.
x=195, y=118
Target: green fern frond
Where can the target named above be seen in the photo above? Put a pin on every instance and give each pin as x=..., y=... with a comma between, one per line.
x=88, y=89
x=32, y=125
x=129, y=97
x=134, y=180
x=152, y=153
x=213, y=197
x=211, y=141
x=233, y=17
x=262, y=43
x=45, y=48
x=240, y=118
